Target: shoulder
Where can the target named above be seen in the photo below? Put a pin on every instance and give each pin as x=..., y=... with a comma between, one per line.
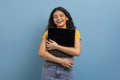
x=45, y=35
x=76, y=30
x=77, y=34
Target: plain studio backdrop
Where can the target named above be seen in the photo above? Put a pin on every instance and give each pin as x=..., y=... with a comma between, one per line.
x=22, y=23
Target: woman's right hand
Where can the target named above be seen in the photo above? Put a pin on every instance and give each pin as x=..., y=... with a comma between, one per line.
x=66, y=62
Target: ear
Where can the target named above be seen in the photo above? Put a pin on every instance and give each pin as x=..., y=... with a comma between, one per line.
x=67, y=18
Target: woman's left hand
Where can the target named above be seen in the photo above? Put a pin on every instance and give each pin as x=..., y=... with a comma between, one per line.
x=50, y=44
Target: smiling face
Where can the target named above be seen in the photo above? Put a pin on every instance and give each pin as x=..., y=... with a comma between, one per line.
x=60, y=19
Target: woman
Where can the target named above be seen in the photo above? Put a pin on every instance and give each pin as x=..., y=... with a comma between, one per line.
x=57, y=67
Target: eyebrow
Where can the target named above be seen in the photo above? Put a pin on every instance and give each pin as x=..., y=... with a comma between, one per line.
x=59, y=14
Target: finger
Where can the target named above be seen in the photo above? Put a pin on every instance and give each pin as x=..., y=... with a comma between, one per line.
x=51, y=40
x=71, y=61
x=69, y=66
x=47, y=45
x=48, y=42
x=48, y=49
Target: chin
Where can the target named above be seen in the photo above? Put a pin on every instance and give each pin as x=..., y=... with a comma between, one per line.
x=60, y=27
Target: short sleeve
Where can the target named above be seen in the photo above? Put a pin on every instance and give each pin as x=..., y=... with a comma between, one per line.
x=77, y=34
x=45, y=35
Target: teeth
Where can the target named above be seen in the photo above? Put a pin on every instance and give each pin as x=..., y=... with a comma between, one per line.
x=59, y=21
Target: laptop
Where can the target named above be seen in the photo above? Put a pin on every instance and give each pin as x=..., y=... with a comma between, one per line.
x=64, y=37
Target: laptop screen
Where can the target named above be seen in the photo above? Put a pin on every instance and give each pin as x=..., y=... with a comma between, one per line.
x=64, y=37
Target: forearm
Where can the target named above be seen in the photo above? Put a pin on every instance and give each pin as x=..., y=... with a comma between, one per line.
x=69, y=50
x=47, y=56
x=74, y=51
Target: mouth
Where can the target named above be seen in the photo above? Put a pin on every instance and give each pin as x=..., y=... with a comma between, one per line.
x=60, y=21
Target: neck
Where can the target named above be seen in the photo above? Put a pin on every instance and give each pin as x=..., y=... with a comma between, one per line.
x=64, y=27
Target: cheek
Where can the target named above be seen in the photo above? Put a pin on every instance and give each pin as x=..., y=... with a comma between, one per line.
x=54, y=21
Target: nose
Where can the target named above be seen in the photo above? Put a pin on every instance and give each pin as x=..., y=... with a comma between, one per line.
x=58, y=17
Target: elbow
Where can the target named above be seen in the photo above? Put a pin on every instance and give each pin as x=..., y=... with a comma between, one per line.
x=77, y=53
x=40, y=53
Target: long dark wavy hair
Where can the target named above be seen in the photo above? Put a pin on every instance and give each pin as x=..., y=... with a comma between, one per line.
x=69, y=22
